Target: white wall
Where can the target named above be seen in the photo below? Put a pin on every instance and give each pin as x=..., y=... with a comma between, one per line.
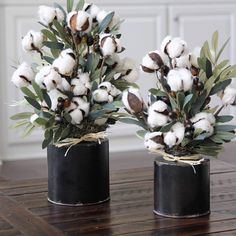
x=147, y=22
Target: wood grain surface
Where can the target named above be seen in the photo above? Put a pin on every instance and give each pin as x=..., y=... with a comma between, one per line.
x=24, y=209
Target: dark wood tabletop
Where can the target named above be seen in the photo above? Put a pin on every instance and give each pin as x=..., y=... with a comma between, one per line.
x=24, y=209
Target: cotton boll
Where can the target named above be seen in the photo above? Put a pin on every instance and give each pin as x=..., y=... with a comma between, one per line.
x=83, y=21
x=165, y=42
x=153, y=140
x=72, y=20
x=109, y=45
x=92, y=9
x=78, y=87
x=148, y=65
x=54, y=94
x=85, y=80
x=194, y=56
x=132, y=100
x=23, y=76
x=229, y=96
x=82, y=105
x=156, y=119
x=48, y=14
x=204, y=116
x=100, y=95
x=64, y=86
x=180, y=79
x=101, y=16
x=105, y=85
x=155, y=116
x=76, y=116
x=114, y=92
x=170, y=139
x=66, y=62
x=178, y=130
x=205, y=126
x=181, y=62
x=33, y=40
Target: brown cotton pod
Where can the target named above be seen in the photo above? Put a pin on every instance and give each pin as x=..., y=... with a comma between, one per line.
x=156, y=58
x=194, y=71
x=73, y=22
x=134, y=102
x=158, y=139
x=146, y=69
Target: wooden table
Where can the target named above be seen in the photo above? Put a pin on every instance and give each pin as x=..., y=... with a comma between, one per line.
x=24, y=209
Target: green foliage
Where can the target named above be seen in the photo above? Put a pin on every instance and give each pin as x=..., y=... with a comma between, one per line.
x=106, y=21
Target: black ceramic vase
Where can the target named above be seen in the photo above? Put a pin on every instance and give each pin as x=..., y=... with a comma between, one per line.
x=81, y=177
x=181, y=190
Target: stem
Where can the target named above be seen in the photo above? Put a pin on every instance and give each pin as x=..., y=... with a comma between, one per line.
x=170, y=61
x=100, y=77
x=219, y=110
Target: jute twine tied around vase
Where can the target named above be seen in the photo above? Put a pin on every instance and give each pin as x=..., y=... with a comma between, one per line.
x=192, y=160
x=92, y=137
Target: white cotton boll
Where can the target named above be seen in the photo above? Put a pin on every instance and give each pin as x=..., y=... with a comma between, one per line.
x=158, y=106
x=76, y=116
x=83, y=22
x=114, y=92
x=194, y=56
x=170, y=139
x=149, y=63
x=204, y=116
x=82, y=105
x=180, y=79
x=101, y=16
x=132, y=76
x=229, y=96
x=52, y=79
x=78, y=87
x=108, y=45
x=85, y=80
x=105, y=85
x=48, y=14
x=70, y=16
x=65, y=63
x=33, y=118
x=23, y=75
x=165, y=42
x=64, y=86
x=149, y=143
x=131, y=72
x=32, y=40
x=205, y=126
x=110, y=98
x=93, y=9
x=178, y=130
x=176, y=48
x=100, y=95
x=156, y=119
x=39, y=78
x=54, y=94
x=116, y=60
x=182, y=62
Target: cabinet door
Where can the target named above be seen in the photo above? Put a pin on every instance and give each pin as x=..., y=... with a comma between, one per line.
x=196, y=23
x=142, y=31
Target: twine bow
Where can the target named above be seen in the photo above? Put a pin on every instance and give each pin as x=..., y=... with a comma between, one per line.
x=92, y=137
x=191, y=160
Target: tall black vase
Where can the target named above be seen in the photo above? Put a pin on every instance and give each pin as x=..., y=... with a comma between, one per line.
x=81, y=177
x=181, y=190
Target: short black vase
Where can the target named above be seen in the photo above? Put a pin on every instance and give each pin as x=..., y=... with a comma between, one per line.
x=181, y=190
x=81, y=177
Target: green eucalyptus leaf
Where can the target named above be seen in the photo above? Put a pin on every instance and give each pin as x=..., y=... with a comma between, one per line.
x=173, y=103
x=40, y=121
x=141, y=133
x=208, y=69
x=225, y=128
x=69, y=5
x=48, y=59
x=106, y=21
x=28, y=130
x=53, y=45
x=180, y=99
x=214, y=41
x=57, y=134
x=157, y=92
x=65, y=133
x=227, y=136
x=21, y=116
x=131, y=121
x=209, y=84
x=37, y=90
x=67, y=117
x=223, y=119
x=220, y=86
x=187, y=100
x=79, y=5
x=48, y=138
x=46, y=98
x=48, y=34
x=28, y=92
x=221, y=50
x=56, y=5
x=167, y=127
x=118, y=104
x=19, y=124
x=33, y=102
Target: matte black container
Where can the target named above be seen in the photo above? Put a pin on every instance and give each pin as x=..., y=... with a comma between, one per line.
x=179, y=192
x=81, y=177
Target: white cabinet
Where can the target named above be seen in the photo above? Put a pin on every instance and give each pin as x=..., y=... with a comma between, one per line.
x=146, y=24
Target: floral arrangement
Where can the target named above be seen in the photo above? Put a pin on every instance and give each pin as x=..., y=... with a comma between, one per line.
x=75, y=89
x=179, y=118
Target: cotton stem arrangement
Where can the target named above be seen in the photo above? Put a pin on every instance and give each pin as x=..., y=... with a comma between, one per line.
x=76, y=89
x=179, y=118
